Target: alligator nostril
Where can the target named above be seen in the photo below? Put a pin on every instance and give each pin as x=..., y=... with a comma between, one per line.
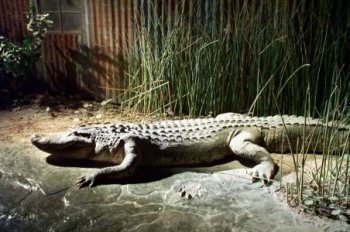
x=35, y=138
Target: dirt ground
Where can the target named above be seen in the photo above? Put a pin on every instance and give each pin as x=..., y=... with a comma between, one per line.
x=41, y=114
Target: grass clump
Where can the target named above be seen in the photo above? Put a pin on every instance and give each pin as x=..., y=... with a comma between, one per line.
x=261, y=57
x=322, y=183
x=198, y=58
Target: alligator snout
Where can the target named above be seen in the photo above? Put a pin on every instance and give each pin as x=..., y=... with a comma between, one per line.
x=63, y=144
x=35, y=137
x=43, y=142
x=47, y=142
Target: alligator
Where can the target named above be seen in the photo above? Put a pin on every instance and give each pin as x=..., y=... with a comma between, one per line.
x=129, y=146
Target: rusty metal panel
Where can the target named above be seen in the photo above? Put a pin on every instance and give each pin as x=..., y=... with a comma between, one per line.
x=13, y=19
x=60, y=67
x=110, y=29
x=93, y=59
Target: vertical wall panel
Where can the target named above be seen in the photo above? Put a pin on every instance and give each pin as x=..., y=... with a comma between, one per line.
x=90, y=61
x=61, y=67
x=109, y=27
x=13, y=19
x=93, y=60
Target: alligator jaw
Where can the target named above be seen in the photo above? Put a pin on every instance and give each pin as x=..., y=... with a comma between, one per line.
x=64, y=145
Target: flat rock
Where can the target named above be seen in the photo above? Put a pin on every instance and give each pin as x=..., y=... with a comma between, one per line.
x=37, y=196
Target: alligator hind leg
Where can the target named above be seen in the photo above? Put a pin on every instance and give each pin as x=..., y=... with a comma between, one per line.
x=248, y=144
x=125, y=169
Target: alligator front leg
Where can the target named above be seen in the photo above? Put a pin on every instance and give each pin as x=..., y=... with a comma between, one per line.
x=125, y=169
x=247, y=144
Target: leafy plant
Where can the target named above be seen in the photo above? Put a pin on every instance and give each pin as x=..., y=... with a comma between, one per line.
x=16, y=60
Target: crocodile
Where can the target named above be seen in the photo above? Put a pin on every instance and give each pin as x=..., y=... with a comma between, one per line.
x=129, y=146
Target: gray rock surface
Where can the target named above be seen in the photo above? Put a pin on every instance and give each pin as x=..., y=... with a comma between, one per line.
x=37, y=196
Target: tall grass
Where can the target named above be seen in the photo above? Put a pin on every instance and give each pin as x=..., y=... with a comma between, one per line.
x=322, y=184
x=203, y=57
x=260, y=57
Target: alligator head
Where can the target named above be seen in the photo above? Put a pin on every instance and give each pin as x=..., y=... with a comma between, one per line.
x=73, y=144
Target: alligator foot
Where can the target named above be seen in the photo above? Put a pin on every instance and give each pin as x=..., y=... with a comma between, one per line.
x=247, y=144
x=263, y=171
x=85, y=181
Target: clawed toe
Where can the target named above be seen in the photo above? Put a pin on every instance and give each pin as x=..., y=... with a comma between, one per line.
x=85, y=181
x=263, y=172
x=81, y=180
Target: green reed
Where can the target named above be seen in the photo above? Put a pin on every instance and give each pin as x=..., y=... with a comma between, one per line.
x=237, y=56
x=257, y=57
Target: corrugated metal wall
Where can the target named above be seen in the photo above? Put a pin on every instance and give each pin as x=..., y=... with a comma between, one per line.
x=109, y=32
x=60, y=61
x=13, y=19
x=92, y=59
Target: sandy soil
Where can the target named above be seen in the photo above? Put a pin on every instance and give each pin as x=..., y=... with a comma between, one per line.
x=57, y=114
